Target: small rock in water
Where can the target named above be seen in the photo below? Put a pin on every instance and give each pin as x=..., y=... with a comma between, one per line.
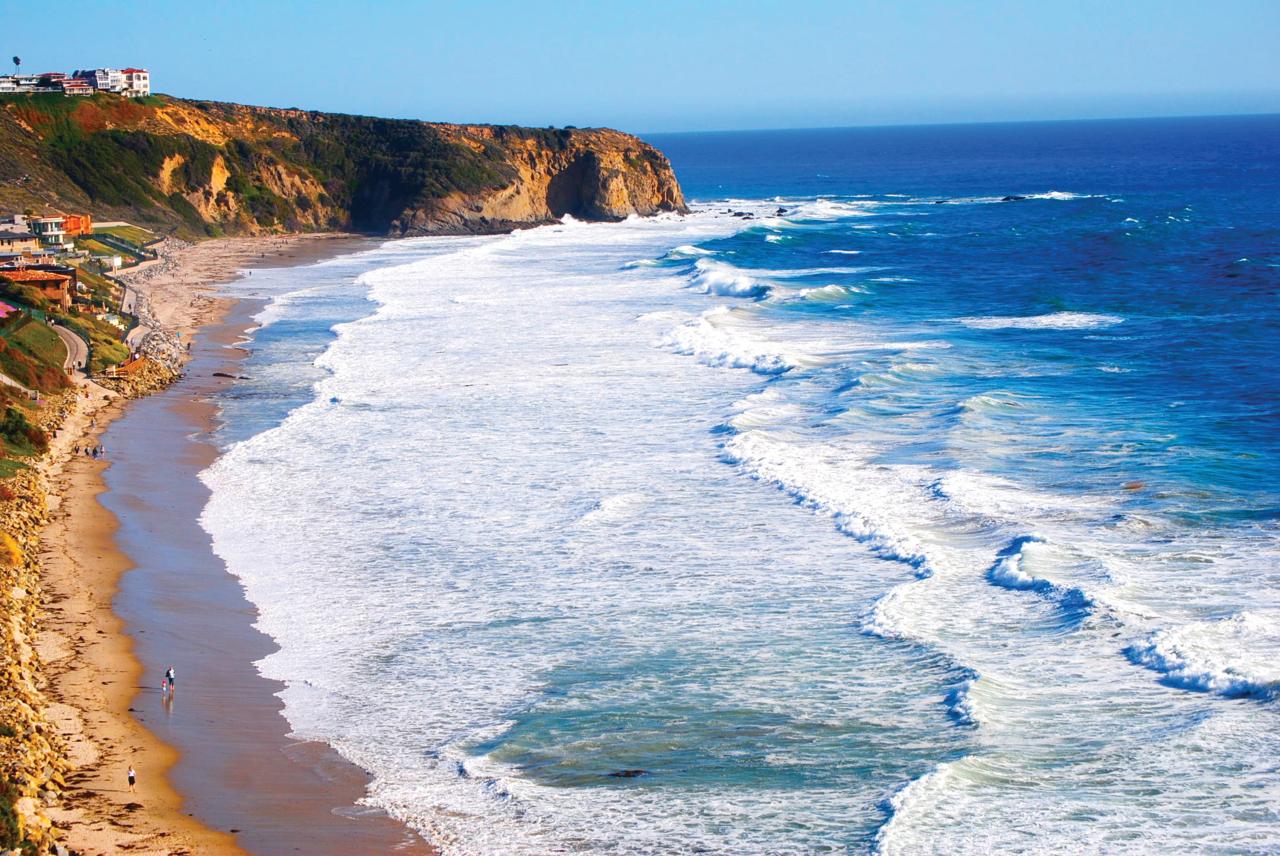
x=628, y=774
x=1012, y=198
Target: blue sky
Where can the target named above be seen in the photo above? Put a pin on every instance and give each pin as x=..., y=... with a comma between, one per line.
x=670, y=66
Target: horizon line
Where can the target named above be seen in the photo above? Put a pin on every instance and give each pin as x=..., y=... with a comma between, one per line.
x=758, y=129
x=1063, y=120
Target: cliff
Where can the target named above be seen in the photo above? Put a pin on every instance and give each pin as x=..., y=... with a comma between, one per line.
x=207, y=168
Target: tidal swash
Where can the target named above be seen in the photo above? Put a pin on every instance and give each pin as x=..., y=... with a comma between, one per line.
x=932, y=507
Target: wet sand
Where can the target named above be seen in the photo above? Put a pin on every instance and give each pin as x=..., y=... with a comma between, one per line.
x=93, y=675
x=218, y=772
x=237, y=766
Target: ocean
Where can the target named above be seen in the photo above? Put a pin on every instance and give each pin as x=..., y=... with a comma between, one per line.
x=915, y=494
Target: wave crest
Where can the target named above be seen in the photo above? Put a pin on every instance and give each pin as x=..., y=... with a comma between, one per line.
x=1052, y=321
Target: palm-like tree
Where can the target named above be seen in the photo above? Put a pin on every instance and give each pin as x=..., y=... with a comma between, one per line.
x=17, y=63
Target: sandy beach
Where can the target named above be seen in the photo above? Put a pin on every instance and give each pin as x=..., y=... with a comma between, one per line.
x=125, y=591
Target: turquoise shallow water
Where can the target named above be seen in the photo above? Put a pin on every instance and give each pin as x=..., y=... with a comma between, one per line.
x=915, y=494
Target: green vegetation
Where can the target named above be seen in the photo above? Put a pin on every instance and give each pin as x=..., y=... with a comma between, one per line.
x=9, y=467
x=375, y=168
x=119, y=167
x=133, y=234
x=98, y=248
x=372, y=168
x=19, y=436
x=10, y=837
x=102, y=291
x=29, y=355
x=197, y=168
x=22, y=295
x=105, y=347
x=41, y=343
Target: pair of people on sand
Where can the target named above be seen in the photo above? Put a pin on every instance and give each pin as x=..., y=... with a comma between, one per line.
x=166, y=685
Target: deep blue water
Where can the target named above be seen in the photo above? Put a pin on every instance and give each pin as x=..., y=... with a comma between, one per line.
x=1178, y=233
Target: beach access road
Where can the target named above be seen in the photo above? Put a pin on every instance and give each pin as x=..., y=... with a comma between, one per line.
x=129, y=306
x=129, y=303
x=77, y=348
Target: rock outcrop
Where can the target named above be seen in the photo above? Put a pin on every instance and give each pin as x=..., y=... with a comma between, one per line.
x=589, y=175
x=207, y=168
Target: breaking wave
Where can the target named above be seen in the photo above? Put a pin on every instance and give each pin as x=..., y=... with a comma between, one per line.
x=1237, y=656
x=1053, y=321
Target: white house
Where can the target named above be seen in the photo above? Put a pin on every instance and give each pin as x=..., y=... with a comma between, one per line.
x=31, y=83
x=75, y=86
x=103, y=79
x=137, y=82
x=50, y=230
x=130, y=82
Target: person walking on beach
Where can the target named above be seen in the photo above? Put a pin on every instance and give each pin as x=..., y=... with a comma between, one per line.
x=133, y=778
x=168, y=676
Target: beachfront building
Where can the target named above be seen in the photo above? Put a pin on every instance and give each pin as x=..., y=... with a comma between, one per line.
x=52, y=286
x=77, y=224
x=50, y=230
x=54, y=231
x=18, y=243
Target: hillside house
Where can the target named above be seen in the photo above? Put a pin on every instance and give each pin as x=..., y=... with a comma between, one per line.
x=130, y=82
x=71, y=86
x=18, y=243
x=137, y=82
x=103, y=79
x=77, y=224
x=54, y=287
x=50, y=230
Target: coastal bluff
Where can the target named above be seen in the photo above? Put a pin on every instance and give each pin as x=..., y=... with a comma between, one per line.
x=203, y=168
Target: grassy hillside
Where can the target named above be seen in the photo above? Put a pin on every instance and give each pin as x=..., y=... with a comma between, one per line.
x=118, y=158
x=204, y=168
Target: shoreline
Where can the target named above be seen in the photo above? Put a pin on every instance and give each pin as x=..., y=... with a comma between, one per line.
x=94, y=643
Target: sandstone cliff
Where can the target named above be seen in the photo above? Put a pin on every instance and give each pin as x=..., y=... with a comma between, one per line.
x=210, y=168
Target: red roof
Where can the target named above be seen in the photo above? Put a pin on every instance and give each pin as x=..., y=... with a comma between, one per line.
x=134, y=71
x=33, y=276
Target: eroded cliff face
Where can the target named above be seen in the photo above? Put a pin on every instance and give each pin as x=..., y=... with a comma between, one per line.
x=233, y=169
x=587, y=174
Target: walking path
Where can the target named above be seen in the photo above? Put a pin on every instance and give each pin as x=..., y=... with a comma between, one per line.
x=77, y=348
x=129, y=306
x=129, y=302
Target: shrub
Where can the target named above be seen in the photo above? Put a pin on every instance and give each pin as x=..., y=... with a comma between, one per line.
x=21, y=434
x=10, y=836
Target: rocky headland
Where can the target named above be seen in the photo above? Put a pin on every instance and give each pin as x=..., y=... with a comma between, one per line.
x=200, y=168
